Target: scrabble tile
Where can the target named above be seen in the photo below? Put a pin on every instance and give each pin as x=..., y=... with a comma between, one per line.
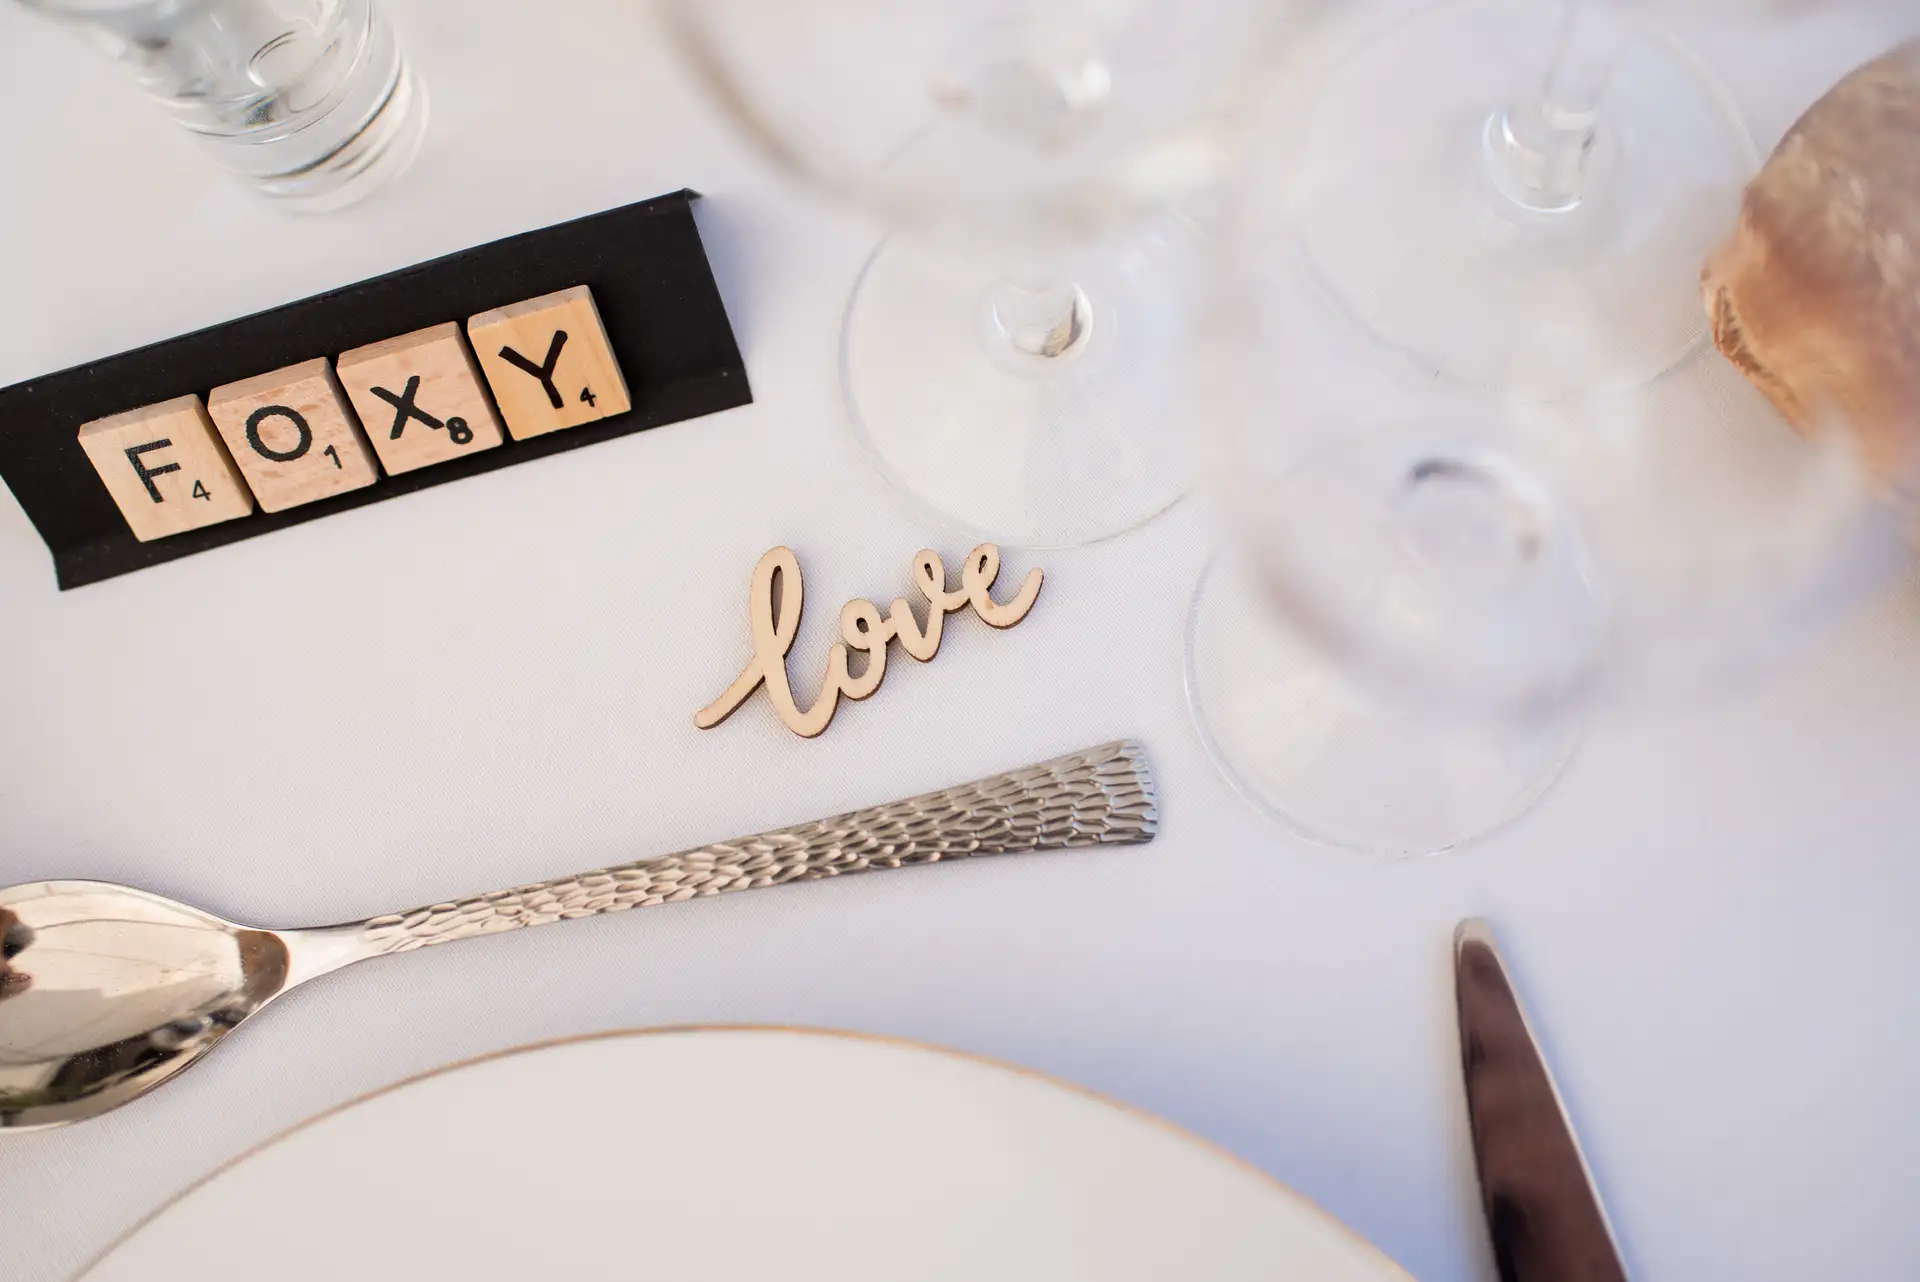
x=166, y=469
x=293, y=435
x=549, y=363
x=420, y=397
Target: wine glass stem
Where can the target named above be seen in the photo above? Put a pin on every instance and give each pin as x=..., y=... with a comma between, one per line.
x=1038, y=325
x=1538, y=149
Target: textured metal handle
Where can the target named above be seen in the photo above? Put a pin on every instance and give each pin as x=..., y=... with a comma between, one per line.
x=1100, y=796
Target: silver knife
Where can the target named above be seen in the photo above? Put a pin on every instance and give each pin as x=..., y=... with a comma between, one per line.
x=1543, y=1212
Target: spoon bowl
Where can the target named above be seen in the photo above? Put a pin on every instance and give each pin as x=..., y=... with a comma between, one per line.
x=109, y=991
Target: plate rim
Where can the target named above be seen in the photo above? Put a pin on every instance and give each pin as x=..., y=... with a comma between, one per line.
x=892, y=1040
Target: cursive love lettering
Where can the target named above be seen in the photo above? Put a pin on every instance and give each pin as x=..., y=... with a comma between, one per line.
x=773, y=619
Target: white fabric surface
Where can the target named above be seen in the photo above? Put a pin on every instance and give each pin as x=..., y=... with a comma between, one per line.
x=492, y=682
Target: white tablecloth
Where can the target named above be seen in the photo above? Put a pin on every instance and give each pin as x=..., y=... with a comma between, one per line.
x=493, y=681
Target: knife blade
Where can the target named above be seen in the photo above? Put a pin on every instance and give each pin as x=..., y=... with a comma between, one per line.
x=1543, y=1212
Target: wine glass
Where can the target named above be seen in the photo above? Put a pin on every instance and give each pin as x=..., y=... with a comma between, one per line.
x=1521, y=192
x=1007, y=355
x=1429, y=583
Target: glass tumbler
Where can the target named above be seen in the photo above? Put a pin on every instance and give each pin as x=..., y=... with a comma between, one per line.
x=309, y=101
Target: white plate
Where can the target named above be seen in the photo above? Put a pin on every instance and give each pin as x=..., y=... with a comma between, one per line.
x=739, y=1155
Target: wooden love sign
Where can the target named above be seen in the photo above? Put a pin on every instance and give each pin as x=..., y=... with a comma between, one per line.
x=773, y=610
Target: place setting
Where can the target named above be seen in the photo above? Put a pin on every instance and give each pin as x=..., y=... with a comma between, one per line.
x=1501, y=377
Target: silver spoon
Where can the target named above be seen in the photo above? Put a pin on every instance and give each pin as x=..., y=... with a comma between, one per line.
x=106, y=992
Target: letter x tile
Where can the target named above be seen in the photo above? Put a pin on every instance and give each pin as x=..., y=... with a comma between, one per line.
x=419, y=396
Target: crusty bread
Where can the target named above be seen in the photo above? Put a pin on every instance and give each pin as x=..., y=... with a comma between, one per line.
x=1817, y=294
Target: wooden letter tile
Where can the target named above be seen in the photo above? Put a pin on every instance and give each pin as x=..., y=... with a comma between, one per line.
x=420, y=397
x=165, y=468
x=549, y=363
x=293, y=435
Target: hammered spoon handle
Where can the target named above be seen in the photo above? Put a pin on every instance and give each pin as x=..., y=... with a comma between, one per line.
x=1101, y=796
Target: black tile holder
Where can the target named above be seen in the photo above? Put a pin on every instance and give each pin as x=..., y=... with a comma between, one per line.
x=650, y=280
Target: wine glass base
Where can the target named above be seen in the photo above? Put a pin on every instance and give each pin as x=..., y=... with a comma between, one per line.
x=1404, y=221
x=1028, y=442
x=1336, y=767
